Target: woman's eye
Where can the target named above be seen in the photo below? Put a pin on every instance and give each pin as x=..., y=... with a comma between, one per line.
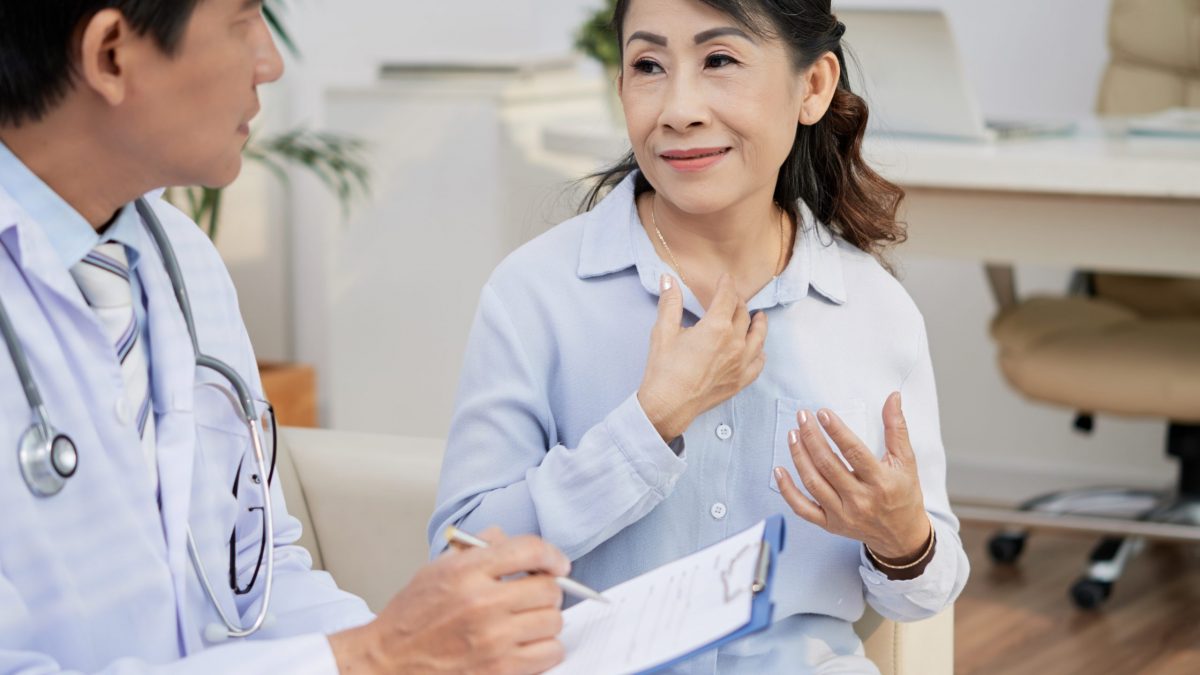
x=719, y=61
x=647, y=66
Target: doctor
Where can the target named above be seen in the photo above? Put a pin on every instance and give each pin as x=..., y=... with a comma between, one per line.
x=133, y=512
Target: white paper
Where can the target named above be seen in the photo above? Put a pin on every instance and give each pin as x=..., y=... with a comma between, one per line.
x=665, y=613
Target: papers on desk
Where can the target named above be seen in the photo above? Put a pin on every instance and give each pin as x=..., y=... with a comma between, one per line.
x=677, y=610
x=1172, y=122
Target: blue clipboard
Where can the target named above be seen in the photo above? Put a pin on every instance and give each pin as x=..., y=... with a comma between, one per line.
x=762, y=609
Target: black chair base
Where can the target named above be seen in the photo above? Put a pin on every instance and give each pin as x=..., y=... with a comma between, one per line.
x=1110, y=557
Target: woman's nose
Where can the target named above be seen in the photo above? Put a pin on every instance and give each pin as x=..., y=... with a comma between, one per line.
x=684, y=106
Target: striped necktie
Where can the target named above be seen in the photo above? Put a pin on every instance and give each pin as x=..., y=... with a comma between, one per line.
x=103, y=276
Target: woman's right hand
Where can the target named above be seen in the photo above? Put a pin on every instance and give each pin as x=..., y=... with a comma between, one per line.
x=691, y=370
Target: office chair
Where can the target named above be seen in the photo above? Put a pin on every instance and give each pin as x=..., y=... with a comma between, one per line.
x=1118, y=344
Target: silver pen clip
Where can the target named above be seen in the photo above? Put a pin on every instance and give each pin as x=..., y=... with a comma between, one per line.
x=763, y=567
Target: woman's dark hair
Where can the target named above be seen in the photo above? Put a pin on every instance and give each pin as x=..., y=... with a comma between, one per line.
x=38, y=46
x=825, y=168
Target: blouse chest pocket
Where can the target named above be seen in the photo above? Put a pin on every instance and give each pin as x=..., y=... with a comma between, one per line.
x=852, y=412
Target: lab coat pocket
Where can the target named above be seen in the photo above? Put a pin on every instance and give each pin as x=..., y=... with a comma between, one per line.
x=223, y=437
x=853, y=413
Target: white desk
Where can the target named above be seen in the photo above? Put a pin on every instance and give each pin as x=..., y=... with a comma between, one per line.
x=1096, y=201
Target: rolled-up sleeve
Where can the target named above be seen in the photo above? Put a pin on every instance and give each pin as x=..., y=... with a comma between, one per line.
x=946, y=575
x=503, y=466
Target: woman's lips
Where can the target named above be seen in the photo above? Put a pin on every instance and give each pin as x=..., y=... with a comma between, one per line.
x=695, y=159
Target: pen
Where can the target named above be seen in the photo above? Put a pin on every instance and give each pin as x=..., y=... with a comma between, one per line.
x=569, y=586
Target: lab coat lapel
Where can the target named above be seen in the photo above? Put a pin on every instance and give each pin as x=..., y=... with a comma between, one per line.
x=26, y=240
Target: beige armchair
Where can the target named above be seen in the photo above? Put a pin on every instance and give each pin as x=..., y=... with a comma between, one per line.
x=365, y=500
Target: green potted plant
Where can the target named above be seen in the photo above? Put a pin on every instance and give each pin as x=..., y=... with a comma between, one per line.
x=597, y=39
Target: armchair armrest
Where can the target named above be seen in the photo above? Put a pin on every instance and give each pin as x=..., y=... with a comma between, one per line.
x=369, y=498
x=917, y=648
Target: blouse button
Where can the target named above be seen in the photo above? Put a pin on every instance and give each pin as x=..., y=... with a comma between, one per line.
x=724, y=432
x=718, y=510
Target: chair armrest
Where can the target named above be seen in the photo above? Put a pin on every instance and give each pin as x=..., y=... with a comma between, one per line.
x=916, y=648
x=369, y=498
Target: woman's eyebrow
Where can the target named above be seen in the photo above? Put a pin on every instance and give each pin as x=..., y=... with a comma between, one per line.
x=648, y=37
x=715, y=33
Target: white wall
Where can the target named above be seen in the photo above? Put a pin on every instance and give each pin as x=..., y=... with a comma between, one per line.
x=1026, y=58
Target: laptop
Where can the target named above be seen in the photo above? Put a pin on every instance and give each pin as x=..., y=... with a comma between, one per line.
x=907, y=65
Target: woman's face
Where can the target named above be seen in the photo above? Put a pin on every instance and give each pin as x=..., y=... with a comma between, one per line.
x=711, y=107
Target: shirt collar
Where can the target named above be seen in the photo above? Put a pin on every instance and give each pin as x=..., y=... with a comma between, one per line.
x=615, y=240
x=69, y=234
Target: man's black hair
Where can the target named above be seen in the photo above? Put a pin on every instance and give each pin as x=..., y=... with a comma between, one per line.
x=39, y=42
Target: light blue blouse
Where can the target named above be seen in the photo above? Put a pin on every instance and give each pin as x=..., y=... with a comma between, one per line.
x=548, y=436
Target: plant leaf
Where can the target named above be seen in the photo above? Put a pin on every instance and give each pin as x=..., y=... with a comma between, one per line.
x=272, y=11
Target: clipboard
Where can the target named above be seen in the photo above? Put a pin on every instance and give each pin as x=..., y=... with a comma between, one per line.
x=762, y=609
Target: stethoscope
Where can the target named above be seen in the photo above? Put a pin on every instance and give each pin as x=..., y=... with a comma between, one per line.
x=48, y=458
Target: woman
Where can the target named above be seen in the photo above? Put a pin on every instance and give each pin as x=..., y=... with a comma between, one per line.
x=745, y=201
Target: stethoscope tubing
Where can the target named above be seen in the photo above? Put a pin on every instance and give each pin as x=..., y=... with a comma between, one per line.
x=171, y=264
x=233, y=630
x=21, y=363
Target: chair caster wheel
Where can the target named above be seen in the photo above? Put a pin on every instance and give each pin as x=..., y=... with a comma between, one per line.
x=1005, y=547
x=1090, y=593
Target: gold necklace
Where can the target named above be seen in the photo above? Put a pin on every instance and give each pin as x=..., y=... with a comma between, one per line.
x=675, y=262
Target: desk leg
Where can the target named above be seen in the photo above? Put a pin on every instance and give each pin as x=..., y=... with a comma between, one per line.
x=1003, y=282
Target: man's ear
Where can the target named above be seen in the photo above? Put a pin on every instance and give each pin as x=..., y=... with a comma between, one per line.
x=106, y=38
x=821, y=81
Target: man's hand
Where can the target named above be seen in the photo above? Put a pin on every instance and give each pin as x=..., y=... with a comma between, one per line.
x=459, y=615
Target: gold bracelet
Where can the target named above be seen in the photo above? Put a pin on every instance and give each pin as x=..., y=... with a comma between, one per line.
x=924, y=555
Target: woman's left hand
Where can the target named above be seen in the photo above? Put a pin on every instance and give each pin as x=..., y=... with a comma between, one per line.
x=879, y=502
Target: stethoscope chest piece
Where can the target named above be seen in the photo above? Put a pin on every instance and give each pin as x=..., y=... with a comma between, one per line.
x=47, y=460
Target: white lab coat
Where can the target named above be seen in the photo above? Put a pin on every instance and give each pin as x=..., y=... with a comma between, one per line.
x=96, y=579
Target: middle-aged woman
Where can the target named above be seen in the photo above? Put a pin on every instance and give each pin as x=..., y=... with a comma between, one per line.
x=631, y=419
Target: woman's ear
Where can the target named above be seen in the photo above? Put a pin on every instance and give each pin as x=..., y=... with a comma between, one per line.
x=104, y=41
x=821, y=81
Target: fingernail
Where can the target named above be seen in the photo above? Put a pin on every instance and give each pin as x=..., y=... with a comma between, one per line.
x=899, y=402
x=803, y=417
x=664, y=283
x=824, y=417
x=793, y=438
x=778, y=474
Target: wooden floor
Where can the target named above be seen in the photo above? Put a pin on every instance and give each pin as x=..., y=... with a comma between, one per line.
x=1020, y=620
